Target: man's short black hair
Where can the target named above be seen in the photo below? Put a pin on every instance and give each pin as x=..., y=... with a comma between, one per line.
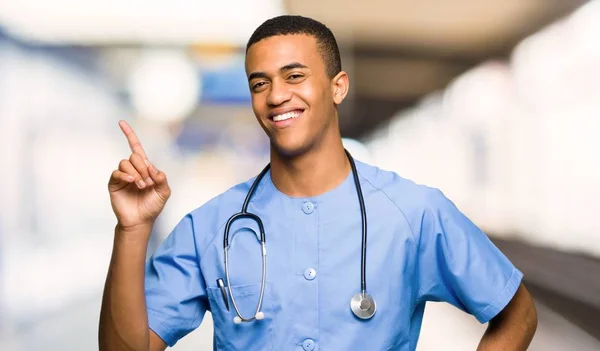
x=289, y=24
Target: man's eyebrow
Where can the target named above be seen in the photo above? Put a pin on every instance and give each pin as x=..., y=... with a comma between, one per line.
x=289, y=66
x=292, y=65
x=255, y=75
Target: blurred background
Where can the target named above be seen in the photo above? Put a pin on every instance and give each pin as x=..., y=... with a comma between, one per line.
x=494, y=102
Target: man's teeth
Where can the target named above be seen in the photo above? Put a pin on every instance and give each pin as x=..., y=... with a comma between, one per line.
x=287, y=115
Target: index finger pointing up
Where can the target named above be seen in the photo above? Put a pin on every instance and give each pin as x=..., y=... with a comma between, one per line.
x=134, y=143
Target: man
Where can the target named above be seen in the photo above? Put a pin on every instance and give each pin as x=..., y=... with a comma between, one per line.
x=419, y=248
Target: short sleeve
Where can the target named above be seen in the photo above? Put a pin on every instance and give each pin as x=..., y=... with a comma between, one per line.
x=458, y=263
x=175, y=290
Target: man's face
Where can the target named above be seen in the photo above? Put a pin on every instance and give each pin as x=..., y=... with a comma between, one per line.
x=292, y=95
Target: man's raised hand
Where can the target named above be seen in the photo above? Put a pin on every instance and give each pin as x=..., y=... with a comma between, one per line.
x=138, y=190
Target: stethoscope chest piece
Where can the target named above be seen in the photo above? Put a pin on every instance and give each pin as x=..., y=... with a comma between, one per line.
x=363, y=305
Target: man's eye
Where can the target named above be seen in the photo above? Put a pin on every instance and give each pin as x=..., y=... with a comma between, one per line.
x=258, y=85
x=295, y=76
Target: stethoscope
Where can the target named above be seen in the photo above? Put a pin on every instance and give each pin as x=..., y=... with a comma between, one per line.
x=362, y=304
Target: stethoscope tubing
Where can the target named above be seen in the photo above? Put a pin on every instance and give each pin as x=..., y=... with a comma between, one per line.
x=357, y=300
x=363, y=213
x=245, y=214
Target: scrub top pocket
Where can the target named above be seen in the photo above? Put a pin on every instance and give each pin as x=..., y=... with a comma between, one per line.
x=246, y=336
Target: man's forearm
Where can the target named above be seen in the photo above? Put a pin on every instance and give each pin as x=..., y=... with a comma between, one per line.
x=514, y=328
x=123, y=318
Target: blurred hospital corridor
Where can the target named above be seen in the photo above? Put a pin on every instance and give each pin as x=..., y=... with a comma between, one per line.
x=496, y=103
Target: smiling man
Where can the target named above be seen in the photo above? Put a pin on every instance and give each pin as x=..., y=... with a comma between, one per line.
x=354, y=251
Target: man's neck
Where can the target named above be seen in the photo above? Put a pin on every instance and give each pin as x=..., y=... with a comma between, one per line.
x=311, y=174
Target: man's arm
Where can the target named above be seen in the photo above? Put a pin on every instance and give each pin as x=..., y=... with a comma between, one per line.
x=123, y=317
x=514, y=327
x=138, y=193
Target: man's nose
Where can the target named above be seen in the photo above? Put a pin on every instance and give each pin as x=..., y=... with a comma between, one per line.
x=278, y=94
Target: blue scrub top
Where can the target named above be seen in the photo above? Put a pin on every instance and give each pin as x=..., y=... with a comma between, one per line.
x=420, y=248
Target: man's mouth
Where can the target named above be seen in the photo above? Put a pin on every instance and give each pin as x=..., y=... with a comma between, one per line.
x=286, y=115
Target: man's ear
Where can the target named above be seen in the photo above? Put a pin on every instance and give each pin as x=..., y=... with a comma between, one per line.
x=340, y=85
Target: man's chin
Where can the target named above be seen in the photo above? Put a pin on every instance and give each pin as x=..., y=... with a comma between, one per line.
x=289, y=150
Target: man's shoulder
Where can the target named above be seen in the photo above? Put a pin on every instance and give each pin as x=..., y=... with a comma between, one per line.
x=228, y=200
x=411, y=197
